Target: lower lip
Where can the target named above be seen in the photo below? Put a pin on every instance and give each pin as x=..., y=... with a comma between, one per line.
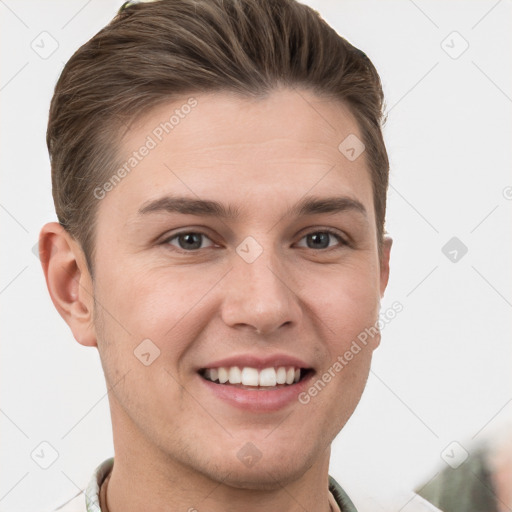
x=257, y=400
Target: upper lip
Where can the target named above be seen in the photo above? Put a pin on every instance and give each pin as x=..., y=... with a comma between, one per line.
x=258, y=362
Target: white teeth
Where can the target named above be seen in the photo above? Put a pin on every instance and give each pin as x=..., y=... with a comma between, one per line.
x=267, y=377
x=223, y=375
x=235, y=375
x=281, y=375
x=250, y=377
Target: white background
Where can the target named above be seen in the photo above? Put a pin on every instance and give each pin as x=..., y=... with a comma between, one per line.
x=443, y=370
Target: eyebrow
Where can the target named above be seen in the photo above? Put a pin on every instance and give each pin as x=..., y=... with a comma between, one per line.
x=203, y=207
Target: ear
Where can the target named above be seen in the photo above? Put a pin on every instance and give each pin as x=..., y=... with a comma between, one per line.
x=68, y=281
x=384, y=263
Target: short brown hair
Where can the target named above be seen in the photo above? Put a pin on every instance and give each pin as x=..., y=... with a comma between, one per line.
x=151, y=53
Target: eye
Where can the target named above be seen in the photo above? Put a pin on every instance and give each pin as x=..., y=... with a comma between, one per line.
x=320, y=239
x=187, y=240
x=192, y=241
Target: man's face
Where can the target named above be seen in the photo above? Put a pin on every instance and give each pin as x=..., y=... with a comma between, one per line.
x=263, y=290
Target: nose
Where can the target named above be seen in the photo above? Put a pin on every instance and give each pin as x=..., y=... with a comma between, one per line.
x=261, y=295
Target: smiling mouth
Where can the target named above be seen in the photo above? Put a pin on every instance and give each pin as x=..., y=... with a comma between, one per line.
x=255, y=379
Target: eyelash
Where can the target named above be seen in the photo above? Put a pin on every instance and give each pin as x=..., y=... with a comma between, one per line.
x=331, y=232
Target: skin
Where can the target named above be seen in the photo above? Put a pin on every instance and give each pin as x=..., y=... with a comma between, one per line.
x=176, y=443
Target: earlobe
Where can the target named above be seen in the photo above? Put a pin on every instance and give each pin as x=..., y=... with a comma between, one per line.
x=384, y=263
x=68, y=280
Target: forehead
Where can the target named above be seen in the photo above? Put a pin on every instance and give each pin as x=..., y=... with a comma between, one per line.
x=280, y=147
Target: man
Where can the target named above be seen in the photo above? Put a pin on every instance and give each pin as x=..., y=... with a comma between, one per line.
x=220, y=178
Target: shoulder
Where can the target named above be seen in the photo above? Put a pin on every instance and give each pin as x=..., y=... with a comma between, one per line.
x=87, y=498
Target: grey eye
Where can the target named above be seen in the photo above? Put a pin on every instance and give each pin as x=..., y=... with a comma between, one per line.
x=187, y=241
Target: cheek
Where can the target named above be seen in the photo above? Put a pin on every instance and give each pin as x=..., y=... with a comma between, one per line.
x=136, y=315
x=347, y=305
x=167, y=306
x=141, y=297
x=346, y=300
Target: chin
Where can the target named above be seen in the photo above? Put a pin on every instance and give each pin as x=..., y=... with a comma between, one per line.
x=267, y=473
x=265, y=478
